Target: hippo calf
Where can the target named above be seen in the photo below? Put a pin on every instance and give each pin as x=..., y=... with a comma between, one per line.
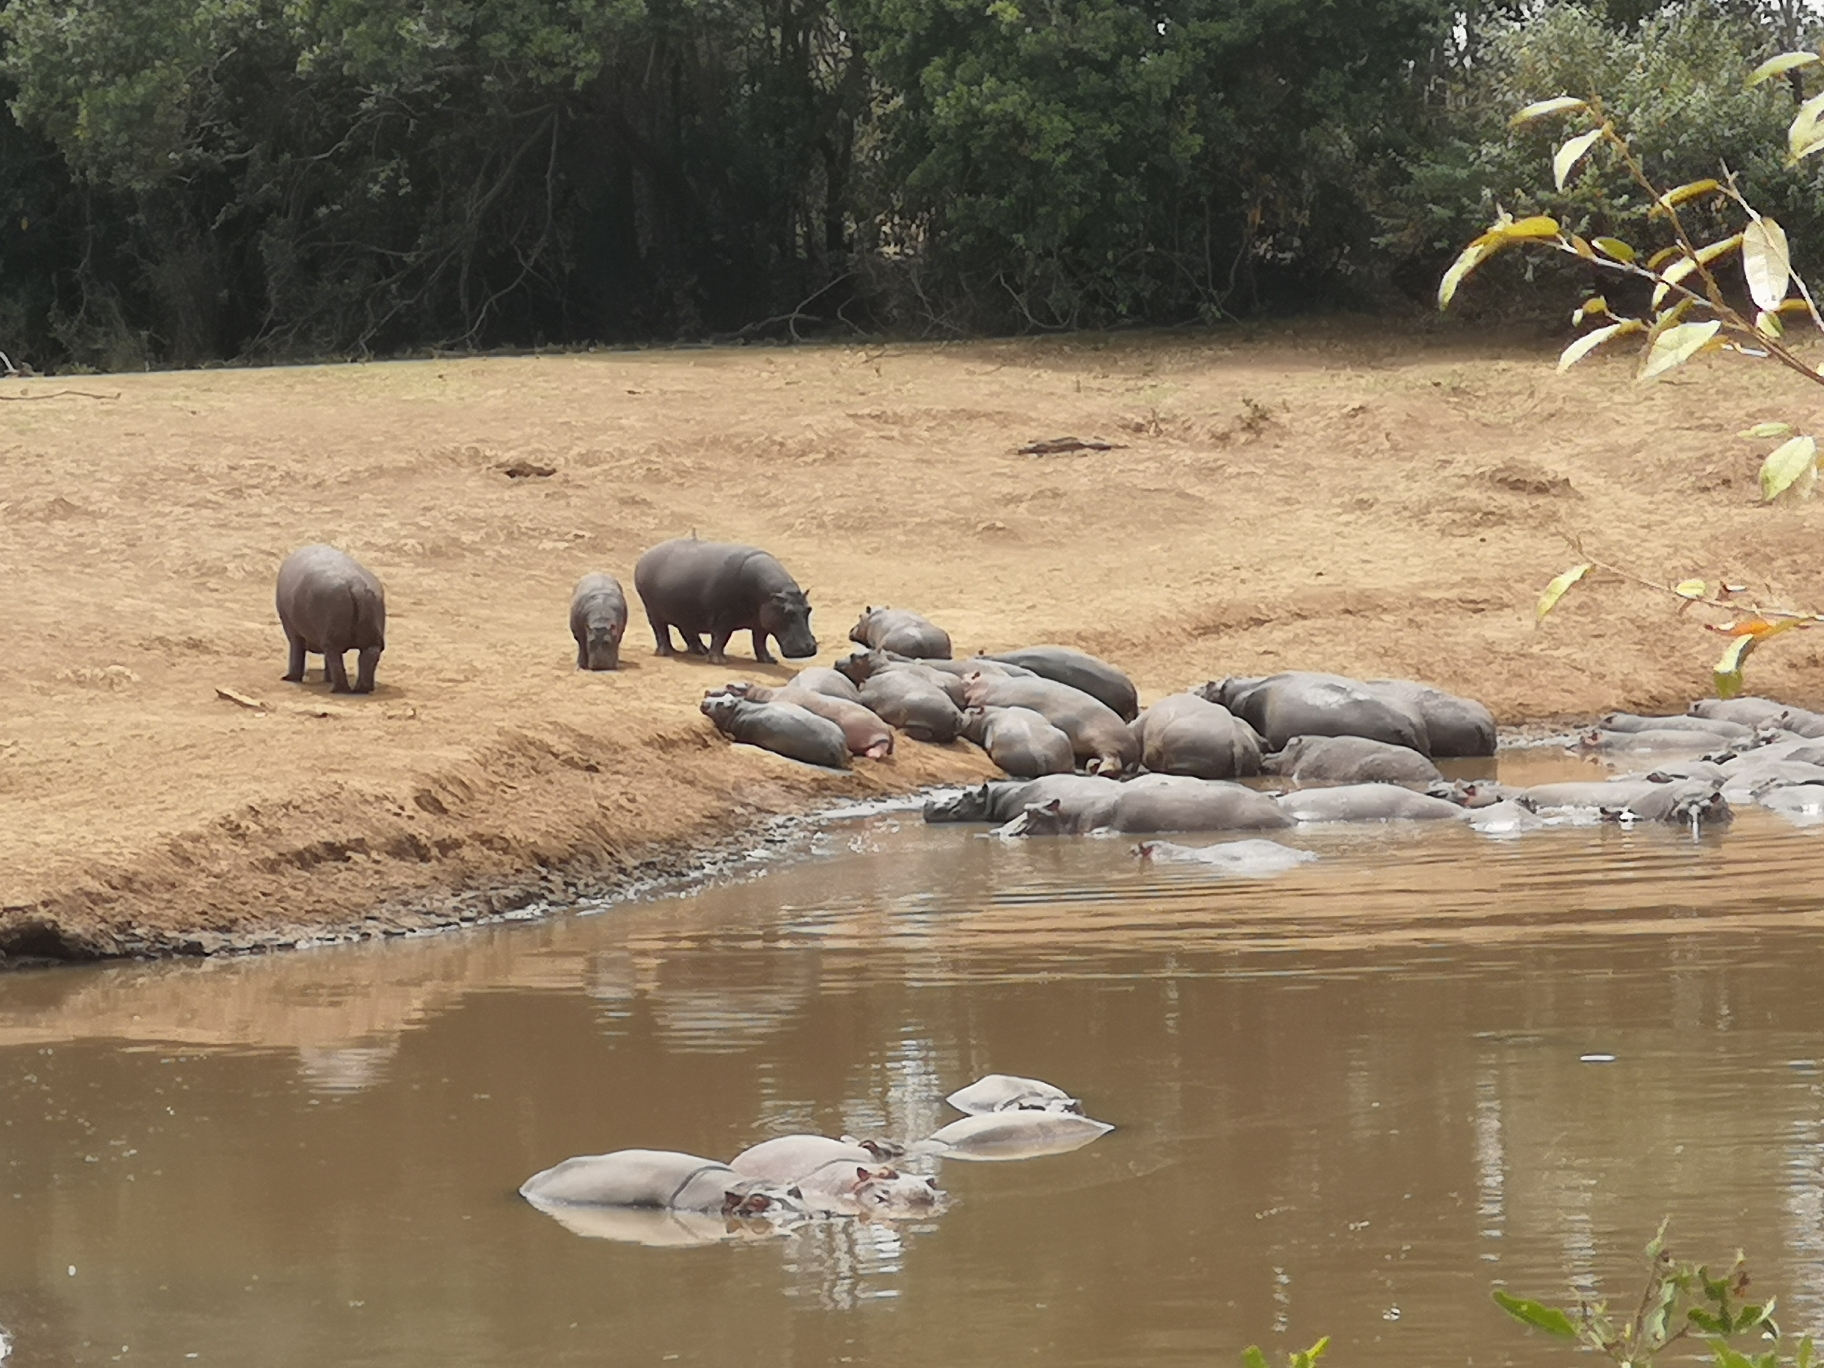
x=661, y=1179
x=1010, y=1092
x=902, y=631
x=861, y=666
x=783, y=728
x=838, y=1177
x=1349, y=760
x=822, y=679
x=914, y=704
x=1020, y=741
x=598, y=621
x=1187, y=734
x=330, y=603
x=1013, y=1135
x=1097, y=734
x=862, y=731
x=722, y=588
x=1080, y=670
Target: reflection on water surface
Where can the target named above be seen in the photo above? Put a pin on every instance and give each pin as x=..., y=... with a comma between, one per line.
x=1349, y=1099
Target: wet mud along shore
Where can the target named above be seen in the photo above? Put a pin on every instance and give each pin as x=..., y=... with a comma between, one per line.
x=1269, y=501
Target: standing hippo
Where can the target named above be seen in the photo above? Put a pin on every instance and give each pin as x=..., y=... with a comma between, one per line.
x=783, y=728
x=864, y=732
x=329, y=603
x=912, y=703
x=1020, y=741
x=1298, y=703
x=1096, y=733
x=1185, y=734
x=720, y=588
x=903, y=632
x=598, y=621
x=835, y=1176
x=1066, y=665
x=1371, y=802
x=1454, y=726
x=664, y=1179
x=1349, y=760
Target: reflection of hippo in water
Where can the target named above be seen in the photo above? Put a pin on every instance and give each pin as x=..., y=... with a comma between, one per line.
x=838, y=1177
x=1066, y=665
x=1187, y=734
x=1013, y=1135
x=1299, y=703
x=1349, y=760
x=1010, y=1092
x=1020, y=741
x=1152, y=803
x=661, y=1179
x=1367, y=803
x=902, y=631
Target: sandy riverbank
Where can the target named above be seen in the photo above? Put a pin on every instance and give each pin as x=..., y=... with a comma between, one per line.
x=1337, y=500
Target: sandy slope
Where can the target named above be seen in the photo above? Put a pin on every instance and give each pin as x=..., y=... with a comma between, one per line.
x=1336, y=500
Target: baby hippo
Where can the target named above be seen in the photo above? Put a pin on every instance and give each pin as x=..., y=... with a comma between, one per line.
x=1020, y=741
x=598, y=621
x=329, y=603
x=663, y=1179
x=864, y=733
x=903, y=632
x=783, y=728
x=835, y=1177
x=1010, y=1092
x=1349, y=760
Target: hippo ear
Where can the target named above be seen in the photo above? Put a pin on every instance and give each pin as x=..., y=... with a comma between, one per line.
x=863, y=1173
x=794, y=1194
x=759, y=1201
x=1054, y=807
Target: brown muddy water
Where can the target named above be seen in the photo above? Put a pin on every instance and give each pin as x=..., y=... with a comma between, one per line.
x=1349, y=1100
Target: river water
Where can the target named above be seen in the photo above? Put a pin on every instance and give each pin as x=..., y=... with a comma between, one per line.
x=1349, y=1101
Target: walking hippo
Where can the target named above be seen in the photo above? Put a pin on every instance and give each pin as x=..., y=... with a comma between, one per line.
x=1010, y=1092
x=1012, y=1135
x=1716, y=728
x=1185, y=734
x=598, y=621
x=903, y=632
x=1152, y=803
x=914, y=704
x=1348, y=760
x=1299, y=703
x=1454, y=726
x=1761, y=712
x=1066, y=665
x=721, y=589
x=861, y=666
x=1001, y=800
x=1020, y=741
x=783, y=728
x=1096, y=733
x=1682, y=801
x=330, y=603
x=1253, y=858
x=838, y=1177
x=1367, y=803
x=822, y=679
x=863, y=732
x=664, y=1179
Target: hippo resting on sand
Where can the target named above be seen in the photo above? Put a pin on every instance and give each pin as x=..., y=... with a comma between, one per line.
x=911, y=702
x=1097, y=735
x=1368, y=803
x=1761, y=712
x=822, y=679
x=1012, y=1135
x=1454, y=726
x=663, y=1179
x=1186, y=734
x=330, y=603
x=722, y=588
x=1020, y=741
x=1003, y=800
x=1152, y=803
x=1683, y=801
x=837, y=1177
x=861, y=666
x=902, y=631
x=963, y=668
x=1349, y=760
x=862, y=731
x=783, y=728
x=598, y=621
x=1299, y=703
x=1097, y=678
x=1010, y=1092
x=1709, y=727
x=1249, y=859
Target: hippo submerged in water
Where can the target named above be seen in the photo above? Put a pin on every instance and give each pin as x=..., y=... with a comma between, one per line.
x=659, y=1179
x=1151, y=803
x=329, y=603
x=838, y=1177
x=722, y=588
x=1010, y=1092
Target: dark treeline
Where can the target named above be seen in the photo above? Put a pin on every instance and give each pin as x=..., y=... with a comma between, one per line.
x=187, y=180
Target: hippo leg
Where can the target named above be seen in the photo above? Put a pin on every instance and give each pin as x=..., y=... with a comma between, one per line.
x=760, y=646
x=718, y=647
x=334, y=672
x=582, y=656
x=294, y=671
x=661, y=634
x=693, y=643
x=366, y=661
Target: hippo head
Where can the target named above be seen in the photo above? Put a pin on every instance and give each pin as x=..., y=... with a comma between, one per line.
x=602, y=647
x=1039, y=819
x=769, y=1201
x=785, y=615
x=858, y=666
x=720, y=708
x=975, y=725
x=859, y=632
x=970, y=805
x=1700, y=805
x=885, y=1191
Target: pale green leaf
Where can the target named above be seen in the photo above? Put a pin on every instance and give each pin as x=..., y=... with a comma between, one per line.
x=1540, y=108
x=1591, y=340
x=1728, y=672
x=1691, y=589
x=1779, y=66
x=1768, y=430
x=1537, y=226
x=1556, y=590
x=1677, y=345
x=1766, y=262
x=1690, y=190
x=1803, y=135
x=1616, y=248
x=1669, y=277
x=1565, y=159
x=1467, y=260
x=1769, y=325
x=1547, y=1318
x=1590, y=307
x=1791, y=461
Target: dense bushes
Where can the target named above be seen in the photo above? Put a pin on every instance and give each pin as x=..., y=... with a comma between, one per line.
x=195, y=179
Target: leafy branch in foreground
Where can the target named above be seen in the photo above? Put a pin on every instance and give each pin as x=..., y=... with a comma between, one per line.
x=1689, y=313
x=1679, y=1301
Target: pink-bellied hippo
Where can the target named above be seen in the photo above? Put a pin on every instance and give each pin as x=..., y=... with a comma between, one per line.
x=902, y=631
x=863, y=730
x=1371, y=802
x=1153, y=803
x=330, y=603
x=1349, y=760
x=838, y=1177
x=722, y=588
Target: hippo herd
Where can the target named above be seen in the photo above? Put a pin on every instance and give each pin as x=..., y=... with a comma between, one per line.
x=663, y=1196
